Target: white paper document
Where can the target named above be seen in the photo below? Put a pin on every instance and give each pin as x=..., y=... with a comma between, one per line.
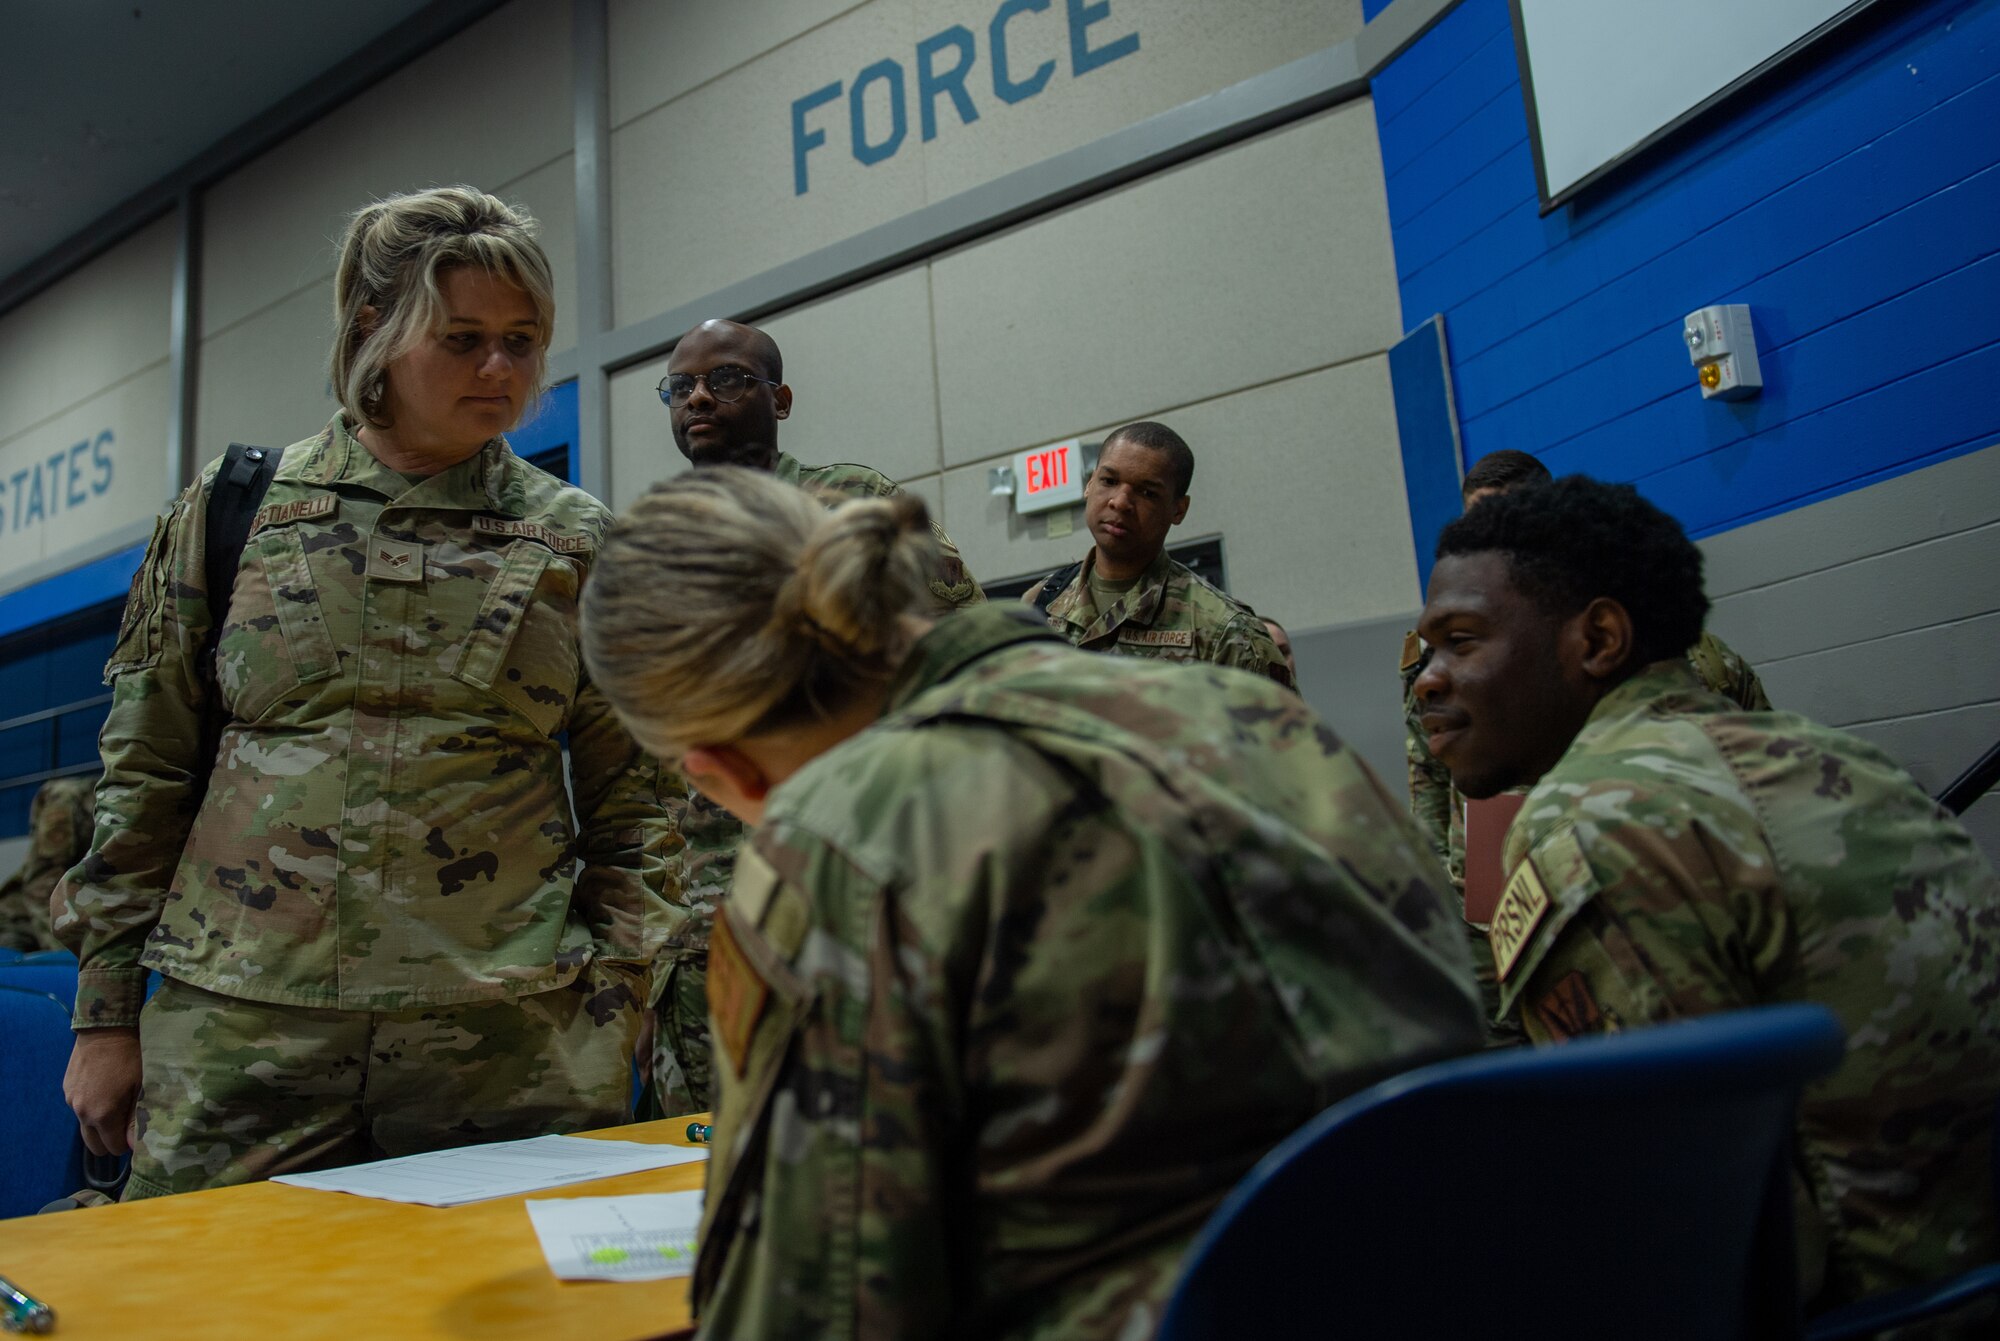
x=503, y=1169
x=645, y=1237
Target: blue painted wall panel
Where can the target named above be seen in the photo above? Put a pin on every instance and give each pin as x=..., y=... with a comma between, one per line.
x=1419, y=381
x=1487, y=74
x=1457, y=35
x=1851, y=199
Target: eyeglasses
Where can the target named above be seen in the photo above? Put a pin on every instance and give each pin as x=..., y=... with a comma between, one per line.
x=726, y=384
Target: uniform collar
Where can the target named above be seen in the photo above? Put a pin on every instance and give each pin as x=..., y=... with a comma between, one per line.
x=787, y=468
x=1139, y=607
x=958, y=640
x=1668, y=686
x=483, y=482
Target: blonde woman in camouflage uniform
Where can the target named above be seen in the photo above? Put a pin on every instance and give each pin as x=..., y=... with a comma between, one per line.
x=378, y=933
x=1030, y=954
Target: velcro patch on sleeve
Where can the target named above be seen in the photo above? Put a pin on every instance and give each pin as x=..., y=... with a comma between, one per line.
x=1519, y=912
x=736, y=993
x=1413, y=649
x=1157, y=637
x=1570, y=1009
x=527, y=530
x=305, y=509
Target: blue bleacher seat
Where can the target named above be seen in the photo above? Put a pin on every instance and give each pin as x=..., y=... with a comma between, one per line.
x=56, y=978
x=1634, y=1186
x=50, y=957
x=41, y=1154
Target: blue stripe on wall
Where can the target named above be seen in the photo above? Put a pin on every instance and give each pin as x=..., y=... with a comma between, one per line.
x=100, y=580
x=554, y=425
x=1850, y=199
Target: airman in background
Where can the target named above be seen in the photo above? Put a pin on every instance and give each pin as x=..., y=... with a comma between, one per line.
x=725, y=392
x=1128, y=595
x=60, y=820
x=1679, y=856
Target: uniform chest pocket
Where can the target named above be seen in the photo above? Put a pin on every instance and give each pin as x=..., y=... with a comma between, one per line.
x=276, y=638
x=522, y=646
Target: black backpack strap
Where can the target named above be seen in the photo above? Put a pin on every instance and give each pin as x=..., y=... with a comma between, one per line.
x=1055, y=584
x=239, y=490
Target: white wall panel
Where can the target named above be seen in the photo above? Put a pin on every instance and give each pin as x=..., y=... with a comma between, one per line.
x=1187, y=48
x=1253, y=264
x=98, y=327
x=702, y=188
x=264, y=379
x=549, y=193
x=705, y=149
x=91, y=472
x=661, y=51
x=1301, y=479
x=860, y=370
x=486, y=108
x=642, y=440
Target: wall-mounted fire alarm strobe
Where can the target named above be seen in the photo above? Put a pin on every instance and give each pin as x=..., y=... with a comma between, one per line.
x=1723, y=348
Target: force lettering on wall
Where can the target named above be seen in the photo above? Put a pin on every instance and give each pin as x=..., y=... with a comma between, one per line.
x=878, y=122
x=58, y=484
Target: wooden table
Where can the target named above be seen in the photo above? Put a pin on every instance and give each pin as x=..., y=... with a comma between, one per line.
x=266, y=1262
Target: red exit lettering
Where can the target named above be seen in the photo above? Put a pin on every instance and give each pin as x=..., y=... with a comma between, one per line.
x=1048, y=470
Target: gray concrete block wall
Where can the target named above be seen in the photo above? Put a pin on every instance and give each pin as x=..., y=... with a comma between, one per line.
x=1879, y=612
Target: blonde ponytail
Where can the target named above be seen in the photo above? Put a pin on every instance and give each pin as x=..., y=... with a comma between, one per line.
x=726, y=603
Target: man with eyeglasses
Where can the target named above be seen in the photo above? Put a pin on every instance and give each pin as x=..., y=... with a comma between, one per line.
x=1128, y=595
x=725, y=393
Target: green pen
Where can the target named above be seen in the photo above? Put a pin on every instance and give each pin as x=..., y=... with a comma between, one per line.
x=22, y=1312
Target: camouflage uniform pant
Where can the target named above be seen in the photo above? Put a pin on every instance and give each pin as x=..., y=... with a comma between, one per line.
x=237, y=1091
x=681, y=1069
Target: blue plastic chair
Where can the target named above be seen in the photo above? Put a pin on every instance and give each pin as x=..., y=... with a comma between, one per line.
x=1635, y=1186
x=8, y=955
x=41, y=1153
x=50, y=957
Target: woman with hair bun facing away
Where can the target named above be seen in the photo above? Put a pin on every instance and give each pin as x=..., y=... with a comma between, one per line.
x=1031, y=953
x=339, y=823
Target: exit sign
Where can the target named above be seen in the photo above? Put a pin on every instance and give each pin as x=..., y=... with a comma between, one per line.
x=1049, y=477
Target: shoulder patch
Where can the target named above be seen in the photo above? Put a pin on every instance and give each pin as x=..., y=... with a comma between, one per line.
x=305, y=509
x=736, y=993
x=1413, y=650
x=1570, y=1010
x=555, y=540
x=752, y=884
x=1520, y=910
x=1157, y=637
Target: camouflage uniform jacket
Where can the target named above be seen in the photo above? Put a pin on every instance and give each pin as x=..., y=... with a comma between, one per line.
x=1016, y=984
x=1172, y=613
x=386, y=820
x=1684, y=857
x=59, y=825
x=712, y=833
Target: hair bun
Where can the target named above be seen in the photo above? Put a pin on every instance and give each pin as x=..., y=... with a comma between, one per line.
x=864, y=565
